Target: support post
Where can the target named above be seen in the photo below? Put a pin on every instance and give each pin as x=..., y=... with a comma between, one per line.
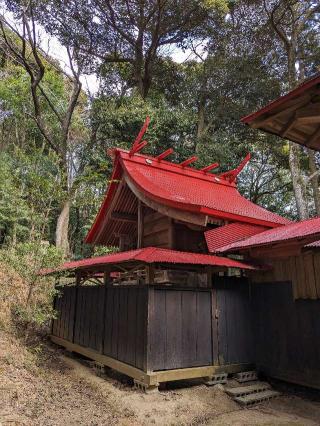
x=106, y=283
x=78, y=282
x=214, y=325
x=140, y=224
x=149, y=274
x=147, y=367
x=54, y=302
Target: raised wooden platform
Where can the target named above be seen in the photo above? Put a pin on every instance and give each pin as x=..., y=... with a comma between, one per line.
x=152, y=378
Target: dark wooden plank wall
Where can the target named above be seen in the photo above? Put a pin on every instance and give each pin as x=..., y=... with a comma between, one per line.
x=125, y=324
x=158, y=328
x=88, y=326
x=180, y=333
x=234, y=320
x=287, y=334
x=108, y=319
x=62, y=326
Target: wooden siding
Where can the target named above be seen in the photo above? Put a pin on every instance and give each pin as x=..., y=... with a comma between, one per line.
x=157, y=231
x=187, y=239
x=234, y=320
x=125, y=325
x=159, y=328
x=180, y=333
x=287, y=334
x=302, y=270
x=111, y=320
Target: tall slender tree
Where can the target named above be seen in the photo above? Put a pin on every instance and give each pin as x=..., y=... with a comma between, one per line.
x=21, y=42
x=289, y=20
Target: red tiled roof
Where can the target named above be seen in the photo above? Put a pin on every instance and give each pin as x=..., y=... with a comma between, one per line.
x=151, y=255
x=307, y=229
x=183, y=188
x=231, y=233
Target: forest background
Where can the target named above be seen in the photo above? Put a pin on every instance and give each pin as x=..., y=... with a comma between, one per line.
x=54, y=133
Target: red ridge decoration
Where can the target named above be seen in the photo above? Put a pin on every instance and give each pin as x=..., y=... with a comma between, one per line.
x=140, y=136
x=210, y=167
x=140, y=146
x=189, y=161
x=165, y=154
x=231, y=175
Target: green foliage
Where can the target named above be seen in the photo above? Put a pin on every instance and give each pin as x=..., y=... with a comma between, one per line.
x=14, y=209
x=221, y=6
x=27, y=259
x=102, y=250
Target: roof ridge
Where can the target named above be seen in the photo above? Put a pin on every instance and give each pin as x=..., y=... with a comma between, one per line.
x=189, y=171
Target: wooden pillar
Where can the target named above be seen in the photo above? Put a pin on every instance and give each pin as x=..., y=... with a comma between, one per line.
x=171, y=235
x=149, y=314
x=149, y=274
x=106, y=284
x=56, y=281
x=78, y=282
x=209, y=276
x=214, y=324
x=140, y=224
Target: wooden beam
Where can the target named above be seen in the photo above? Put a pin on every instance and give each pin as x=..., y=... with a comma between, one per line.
x=309, y=114
x=165, y=154
x=288, y=107
x=140, y=224
x=149, y=274
x=152, y=378
x=189, y=161
x=313, y=138
x=140, y=146
x=210, y=167
x=140, y=136
x=111, y=207
x=289, y=124
x=124, y=217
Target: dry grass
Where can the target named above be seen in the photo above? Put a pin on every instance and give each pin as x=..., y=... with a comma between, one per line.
x=13, y=292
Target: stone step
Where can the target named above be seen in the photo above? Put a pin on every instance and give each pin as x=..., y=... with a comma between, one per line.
x=216, y=379
x=246, y=376
x=247, y=390
x=257, y=397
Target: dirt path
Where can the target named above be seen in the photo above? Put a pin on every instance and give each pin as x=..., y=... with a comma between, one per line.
x=63, y=390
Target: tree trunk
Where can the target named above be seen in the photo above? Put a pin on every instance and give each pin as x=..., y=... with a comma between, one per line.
x=62, y=237
x=314, y=180
x=294, y=160
x=201, y=118
x=298, y=184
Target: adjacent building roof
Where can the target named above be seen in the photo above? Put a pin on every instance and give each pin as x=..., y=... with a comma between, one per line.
x=178, y=187
x=231, y=233
x=295, y=116
x=150, y=255
x=306, y=231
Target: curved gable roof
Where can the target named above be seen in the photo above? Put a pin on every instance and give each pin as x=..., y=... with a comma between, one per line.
x=181, y=188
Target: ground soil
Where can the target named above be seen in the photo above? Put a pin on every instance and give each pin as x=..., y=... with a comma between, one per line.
x=44, y=385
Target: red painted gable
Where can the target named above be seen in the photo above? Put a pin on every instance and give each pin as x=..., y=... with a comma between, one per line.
x=182, y=188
